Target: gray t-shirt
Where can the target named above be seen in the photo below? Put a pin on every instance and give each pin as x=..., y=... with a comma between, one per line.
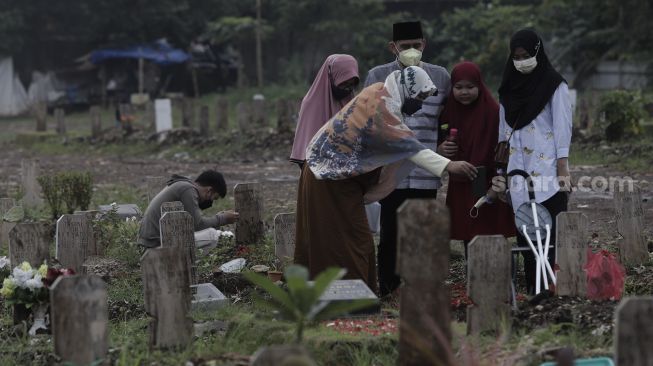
x=424, y=123
x=178, y=189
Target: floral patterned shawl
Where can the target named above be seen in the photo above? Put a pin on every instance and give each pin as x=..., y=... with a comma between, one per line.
x=369, y=133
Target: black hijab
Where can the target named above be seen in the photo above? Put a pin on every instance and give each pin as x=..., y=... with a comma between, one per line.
x=523, y=96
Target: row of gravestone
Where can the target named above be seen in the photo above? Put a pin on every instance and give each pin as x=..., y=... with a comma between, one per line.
x=423, y=263
x=158, y=116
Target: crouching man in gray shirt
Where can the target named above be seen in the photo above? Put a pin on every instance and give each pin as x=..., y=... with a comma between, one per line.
x=196, y=196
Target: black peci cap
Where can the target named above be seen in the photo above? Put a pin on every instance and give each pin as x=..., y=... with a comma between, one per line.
x=407, y=30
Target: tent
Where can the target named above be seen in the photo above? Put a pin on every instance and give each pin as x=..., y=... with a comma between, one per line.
x=160, y=52
x=13, y=97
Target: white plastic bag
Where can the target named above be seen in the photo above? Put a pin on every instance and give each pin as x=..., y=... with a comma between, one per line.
x=209, y=238
x=233, y=266
x=373, y=211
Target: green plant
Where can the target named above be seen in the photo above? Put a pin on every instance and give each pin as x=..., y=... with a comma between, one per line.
x=52, y=193
x=301, y=303
x=620, y=112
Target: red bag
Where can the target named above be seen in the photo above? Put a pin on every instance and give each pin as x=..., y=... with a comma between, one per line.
x=605, y=276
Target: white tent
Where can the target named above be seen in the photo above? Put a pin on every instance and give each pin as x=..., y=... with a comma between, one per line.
x=13, y=98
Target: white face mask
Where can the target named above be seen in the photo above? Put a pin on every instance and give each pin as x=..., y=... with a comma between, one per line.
x=410, y=57
x=526, y=66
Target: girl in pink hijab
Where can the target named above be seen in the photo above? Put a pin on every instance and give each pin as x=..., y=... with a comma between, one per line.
x=332, y=89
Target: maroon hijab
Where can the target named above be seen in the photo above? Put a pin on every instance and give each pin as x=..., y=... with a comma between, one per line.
x=477, y=123
x=319, y=105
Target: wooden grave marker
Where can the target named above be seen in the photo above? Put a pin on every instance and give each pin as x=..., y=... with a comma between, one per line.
x=222, y=114
x=634, y=332
x=187, y=112
x=5, y=205
x=80, y=319
x=249, y=205
x=572, y=243
x=31, y=187
x=60, y=117
x=177, y=230
x=633, y=249
x=167, y=294
x=423, y=263
x=28, y=242
x=171, y=207
x=488, y=283
x=74, y=241
x=204, y=121
x=96, y=122
x=284, y=236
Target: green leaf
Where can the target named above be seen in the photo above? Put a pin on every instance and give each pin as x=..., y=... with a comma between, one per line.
x=15, y=214
x=334, y=309
x=277, y=293
x=324, y=279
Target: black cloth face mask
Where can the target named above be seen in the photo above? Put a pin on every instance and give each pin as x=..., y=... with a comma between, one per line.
x=204, y=204
x=340, y=93
x=410, y=106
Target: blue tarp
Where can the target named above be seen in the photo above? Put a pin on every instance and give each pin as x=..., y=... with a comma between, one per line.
x=160, y=53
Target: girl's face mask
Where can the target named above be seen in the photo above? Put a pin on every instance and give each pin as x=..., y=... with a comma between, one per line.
x=528, y=65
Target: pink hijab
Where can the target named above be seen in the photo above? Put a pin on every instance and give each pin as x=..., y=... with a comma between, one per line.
x=319, y=105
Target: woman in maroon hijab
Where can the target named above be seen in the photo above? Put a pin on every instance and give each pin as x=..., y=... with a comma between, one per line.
x=332, y=89
x=472, y=110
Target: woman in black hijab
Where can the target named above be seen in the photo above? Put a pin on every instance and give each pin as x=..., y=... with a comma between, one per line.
x=535, y=117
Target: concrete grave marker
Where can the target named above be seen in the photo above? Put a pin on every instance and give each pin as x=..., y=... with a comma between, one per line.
x=28, y=242
x=204, y=120
x=5, y=227
x=633, y=250
x=348, y=290
x=40, y=110
x=423, y=263
x=249, y=205
x=80, y=319
x=123, y=210
x=74, y=241
x=222, y=114
x=259, y=114
x=31, y=187
x=488, y=283
x=572, y=242
x=60, y=117
x=177, y=230
x=96, y=122
x=163, y=115
x=244, y=116
x=171, y=207
x=284, y=236
x=634, y=332
x=166, y=288
x=207, y=297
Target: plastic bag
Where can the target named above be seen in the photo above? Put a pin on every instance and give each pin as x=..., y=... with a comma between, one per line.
x=209, y=238
x=605, y=276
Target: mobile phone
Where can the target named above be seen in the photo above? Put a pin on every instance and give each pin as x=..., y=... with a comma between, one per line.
x=479, y=184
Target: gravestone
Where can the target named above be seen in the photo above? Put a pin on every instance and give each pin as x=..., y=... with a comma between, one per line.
x=154, y=185
x=348, y=290
x=243, y=116
x=187, y=112
x=149, y=117
x=204, y=121
x=96, y=122
x=222, y=114
x=206, y=297
x=171, y=207
x=284, y=118
x=423, y=263
x=80, y=319
x=28, y=242
x=123, y=210
x=284, y=236
x=259, y=112
x=249, y=205
x=572, y=242
x=634, y=332
x=41, y=114
x=31, y=187
x=633, y=250
x=74, y=241
x=5, y=227
x=166, y=289
x=177, y=230
x=488, y=283
x=60, y=117
x=163, y=115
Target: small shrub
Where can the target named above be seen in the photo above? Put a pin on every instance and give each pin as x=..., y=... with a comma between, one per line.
x=620, y=112
x=72, y=189
x=52, y=193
